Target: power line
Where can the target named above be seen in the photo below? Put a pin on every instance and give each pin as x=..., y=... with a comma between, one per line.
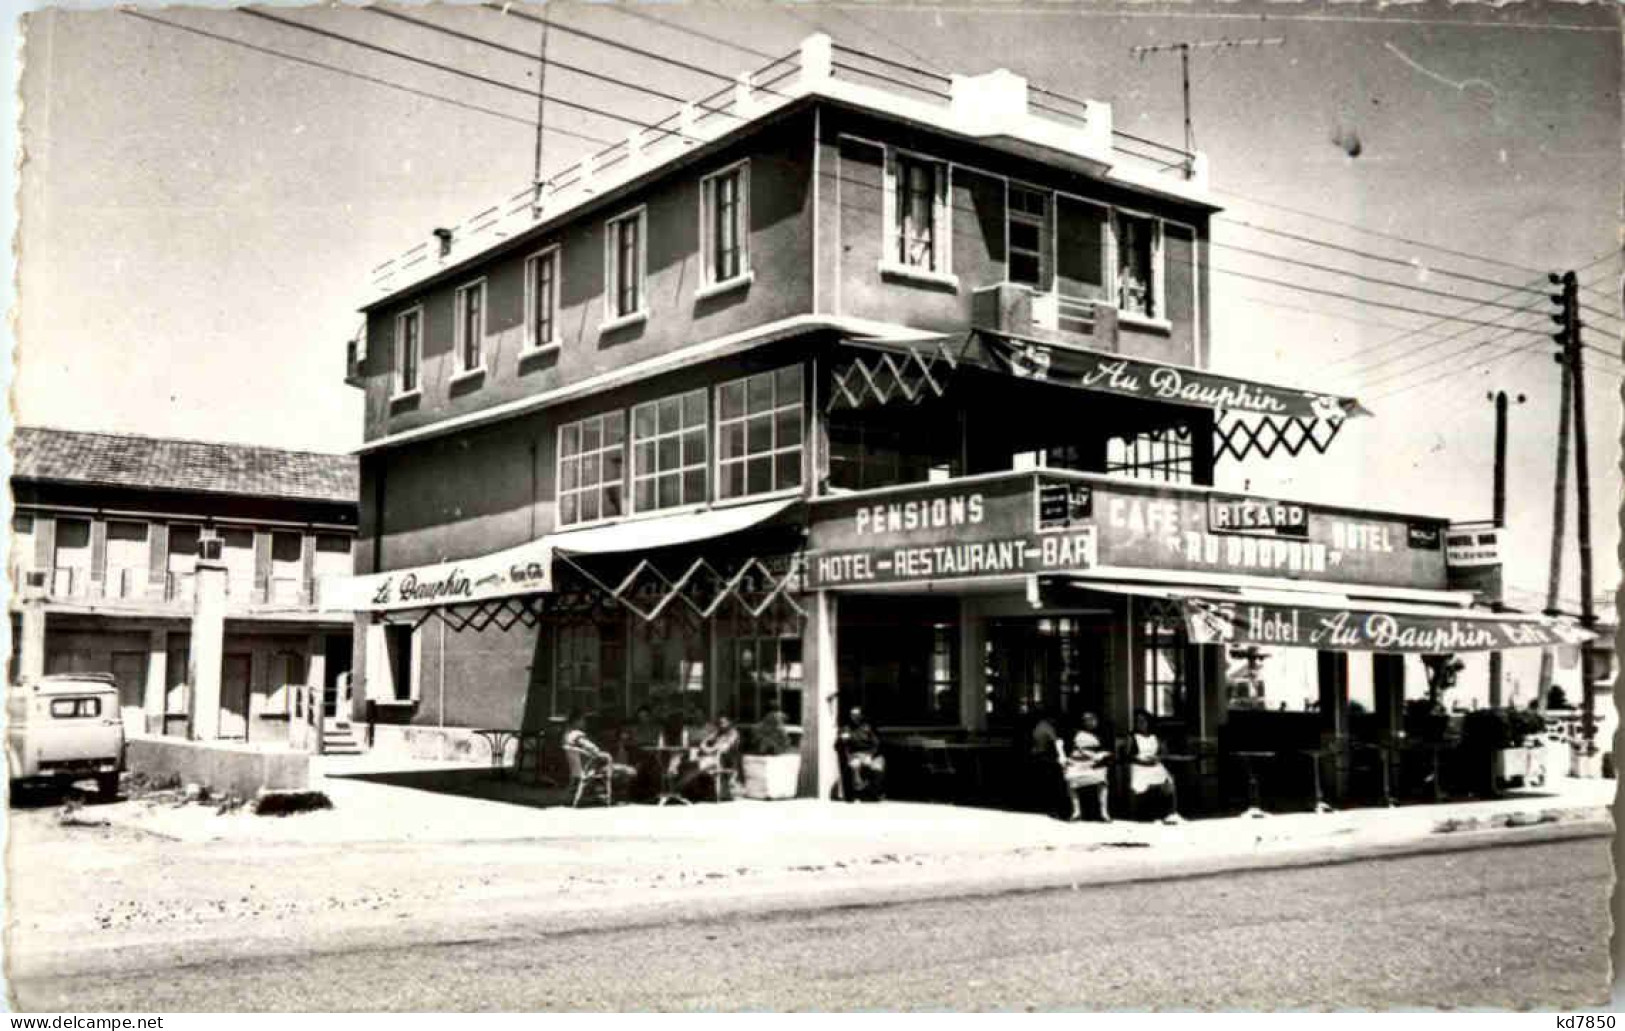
x=365, y=45
x=1499, y=284
x=587, y=72
x=631, y=11
x=337, y=70
x=617, y=44
x=1377, y=281
x=1448, y=373
x=1458, y=334
x=1362, y=300
x=1321, y=313
x=1472, y=346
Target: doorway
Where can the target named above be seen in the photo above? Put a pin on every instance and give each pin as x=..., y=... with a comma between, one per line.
x=1059, y=665
x=234, y=695
x=130, y=670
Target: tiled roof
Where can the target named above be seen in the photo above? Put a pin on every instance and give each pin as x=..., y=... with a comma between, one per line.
x=128, y=460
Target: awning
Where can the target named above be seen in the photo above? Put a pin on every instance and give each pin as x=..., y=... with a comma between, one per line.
x=665, y=531
x=1286, y=618
x=1101, y=371
x=526, y=569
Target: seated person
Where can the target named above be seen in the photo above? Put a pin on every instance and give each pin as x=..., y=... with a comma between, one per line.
x=861, y=762
x=715, y=751
x=1086, y=767
x=1147, y=775
x=1045, y=761
x=593, y=758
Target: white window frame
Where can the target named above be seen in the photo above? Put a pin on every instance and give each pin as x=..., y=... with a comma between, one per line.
x=460, y=340
x=1157, y=318
x=718, y=462
x=559, y=490
x=614, y=318
x=940, y=271
x=655, y=475
x=554, y=254
x=402, y=389
x=710, y=285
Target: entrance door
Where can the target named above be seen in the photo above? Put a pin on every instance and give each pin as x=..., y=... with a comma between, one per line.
x=234, y=685
x=130, y=670
x=1057, y=665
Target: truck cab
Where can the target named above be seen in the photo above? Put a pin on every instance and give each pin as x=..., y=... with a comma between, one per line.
x=66, y=728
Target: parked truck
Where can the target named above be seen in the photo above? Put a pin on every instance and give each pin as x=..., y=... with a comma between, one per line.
x=65, y=728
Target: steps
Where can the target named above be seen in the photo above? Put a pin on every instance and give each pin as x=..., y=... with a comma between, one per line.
x=340, y=739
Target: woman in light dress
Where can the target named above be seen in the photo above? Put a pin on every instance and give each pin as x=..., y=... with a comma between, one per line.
x=1147, y=774
x=1086, y=767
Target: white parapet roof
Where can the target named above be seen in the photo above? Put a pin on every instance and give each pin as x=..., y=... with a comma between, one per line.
x=999, y=108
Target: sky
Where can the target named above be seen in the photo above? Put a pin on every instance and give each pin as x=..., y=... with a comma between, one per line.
x=198, y=220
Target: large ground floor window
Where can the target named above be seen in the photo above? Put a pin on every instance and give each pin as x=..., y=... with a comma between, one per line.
x=761, y=667
x=898, y=658
x=667, y=659
x=589, y=667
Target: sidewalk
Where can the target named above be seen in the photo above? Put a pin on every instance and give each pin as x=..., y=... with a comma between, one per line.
x=144, y=879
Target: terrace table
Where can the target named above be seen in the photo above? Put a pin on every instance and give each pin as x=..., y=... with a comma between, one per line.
x=975, y=750
x=1253, y=810
x=498, y=738
x=1384, y=758
x=1315, y=755
x=668, y=776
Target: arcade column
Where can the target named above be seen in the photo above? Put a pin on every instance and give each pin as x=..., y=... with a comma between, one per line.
x=820, y=699
x=208, y=646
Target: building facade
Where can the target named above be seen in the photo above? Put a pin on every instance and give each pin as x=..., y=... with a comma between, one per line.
x=116, y=538
x=858, y=386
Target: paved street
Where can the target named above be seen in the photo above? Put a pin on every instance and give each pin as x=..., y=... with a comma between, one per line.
x=1497, y=927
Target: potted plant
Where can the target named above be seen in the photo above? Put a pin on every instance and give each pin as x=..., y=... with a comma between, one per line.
x=772, y=763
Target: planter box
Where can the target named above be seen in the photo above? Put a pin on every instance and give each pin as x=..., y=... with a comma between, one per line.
x=772, y=776
x=1524, y=765
x=1582, y=765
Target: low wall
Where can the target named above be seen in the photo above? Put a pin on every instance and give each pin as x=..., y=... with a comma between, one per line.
x=453, y=744
x=222, y=767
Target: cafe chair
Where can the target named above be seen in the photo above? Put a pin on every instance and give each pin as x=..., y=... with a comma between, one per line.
x=935, y=761
x=589, y=777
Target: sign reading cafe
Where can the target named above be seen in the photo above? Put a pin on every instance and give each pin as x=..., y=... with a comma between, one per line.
x=526, y=569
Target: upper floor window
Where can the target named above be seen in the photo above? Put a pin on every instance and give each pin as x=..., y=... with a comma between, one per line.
x=592, y=460
x=759, y=433
x=723, y=238
x=1163, y=455
x=470, y=332
x=669, y=455
x=408, y=350
x=624, y=257
x=1028, y=229
x=1139, y=264
x=917, y=213
x=542, y=299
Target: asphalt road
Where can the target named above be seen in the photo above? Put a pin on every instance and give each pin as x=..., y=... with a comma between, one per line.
x=1503, y=927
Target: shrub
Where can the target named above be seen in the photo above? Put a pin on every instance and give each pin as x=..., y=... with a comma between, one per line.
x=769, y=737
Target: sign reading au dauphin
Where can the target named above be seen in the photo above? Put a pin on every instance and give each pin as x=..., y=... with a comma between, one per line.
x=526, y=569
x=1212, y=622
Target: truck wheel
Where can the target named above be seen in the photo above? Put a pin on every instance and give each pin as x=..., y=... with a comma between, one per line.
x=107, y=787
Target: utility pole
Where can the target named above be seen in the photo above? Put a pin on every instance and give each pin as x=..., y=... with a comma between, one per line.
x=1500, y=521
x=1560, y=492
x=541, y=118
x=1574, y=360
x=1184, y=50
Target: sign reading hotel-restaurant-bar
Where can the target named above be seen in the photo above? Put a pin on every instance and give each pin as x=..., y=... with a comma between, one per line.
x=1044, y=522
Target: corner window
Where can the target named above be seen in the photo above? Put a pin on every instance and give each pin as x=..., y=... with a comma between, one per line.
x=624, y=257
x=669, y=454
x=917, y=213
x=408, y=350
x=1028, y=231
x=542, y=299
x=592, y=459
x=471, y=327
x=723, y=238
x=759, y=433
x=1162, y=657
x=1139, y=264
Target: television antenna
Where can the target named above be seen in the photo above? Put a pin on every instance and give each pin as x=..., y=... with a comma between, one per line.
x=1184, y=50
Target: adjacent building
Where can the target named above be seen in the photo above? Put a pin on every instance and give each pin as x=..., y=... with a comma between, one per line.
x=853, y=385
x=114, y=534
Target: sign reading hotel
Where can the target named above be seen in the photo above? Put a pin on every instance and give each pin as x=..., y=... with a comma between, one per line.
x=1241, y=623
x=1473, y=547
x=526, y=569
x=1027, y=523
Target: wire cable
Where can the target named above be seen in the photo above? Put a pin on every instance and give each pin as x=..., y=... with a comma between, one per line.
x=1362, y=300
x=337, y=70
x=533, y=94
x=632, y=11
x=1370, y=354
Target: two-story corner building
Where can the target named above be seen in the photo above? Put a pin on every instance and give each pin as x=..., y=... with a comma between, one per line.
x=108, y=534
x=855, y=385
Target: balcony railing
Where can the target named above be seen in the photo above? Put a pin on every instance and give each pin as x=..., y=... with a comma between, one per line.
x=1023, y=311
x=170, y=589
